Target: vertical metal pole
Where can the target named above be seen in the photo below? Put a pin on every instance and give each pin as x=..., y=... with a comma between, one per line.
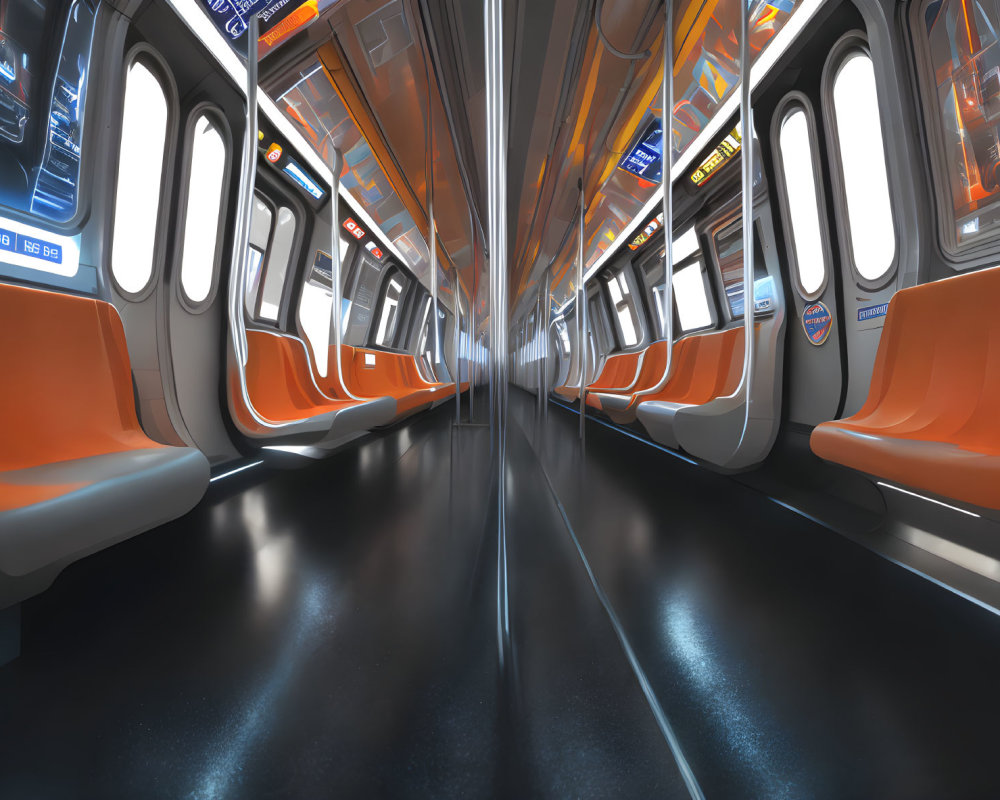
x=746, y=121
x=457, y=341
x=471, y=349
x=666, y=160
x=336, y=317
x=434, y=283
x=582, y=305
x=666, y=308
x=548, y=335
x=496, y=156
x=537, y=348
x=241, y=240
x=432, y=228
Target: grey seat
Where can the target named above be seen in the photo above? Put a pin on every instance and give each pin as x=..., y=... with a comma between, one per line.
x=107, y=498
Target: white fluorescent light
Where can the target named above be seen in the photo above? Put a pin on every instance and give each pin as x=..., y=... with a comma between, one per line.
x=234, y=471
x=758, y=70
x=928, y=499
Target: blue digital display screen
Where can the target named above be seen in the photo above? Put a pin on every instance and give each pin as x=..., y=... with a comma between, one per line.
x=230, y=16
x=301, y=177
x=44, y=70
x=645, y=158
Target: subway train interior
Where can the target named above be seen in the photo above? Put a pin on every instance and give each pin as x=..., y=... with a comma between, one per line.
x=383, y=416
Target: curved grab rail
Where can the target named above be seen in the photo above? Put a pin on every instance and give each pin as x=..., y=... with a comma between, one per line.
x=336, y=308
x=666, y=159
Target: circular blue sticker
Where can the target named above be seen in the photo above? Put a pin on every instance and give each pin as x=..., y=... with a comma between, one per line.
x=817, y=322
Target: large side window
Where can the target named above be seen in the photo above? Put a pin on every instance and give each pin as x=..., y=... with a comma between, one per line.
x=729, y=252
x=363, y=294
x=860, y=161
x=145, y=117
x=626, y=319
x=798, y=178
x=45, y=49
x=691, y=298
x=316, y=306
x=261, y=221
x=425, y=344
x=562, y=334
x=691, y=293
x=207, y=168
x=960, y=73
x=389, y=310
x=278, y=260
x=599, y=326
x=272, y=241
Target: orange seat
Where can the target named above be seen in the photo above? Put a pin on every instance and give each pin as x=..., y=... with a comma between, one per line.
x=378, y=373
x=279, y=379
x=67, y=378
x=282, y=389
x=704, y=368
x=930, y=421
x=621, y=404
x=619, y=372
x=77, y=472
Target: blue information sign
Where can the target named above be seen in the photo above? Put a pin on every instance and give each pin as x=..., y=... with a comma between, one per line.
x=30, y=246
x=645, y=159
x=302, y=178
x=231, y=16
x=871, y=312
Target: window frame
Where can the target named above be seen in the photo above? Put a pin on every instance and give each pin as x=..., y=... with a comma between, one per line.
x=157, y=65
x=981, y=252
x=213, y=112
x=383, y=292
x=718, y=226
x=255, y=310
x=652, y=261
x=631, y=301
x=275, y=197
x=290, y=267
x=604, y=342
x=792, y=102
x=92, y=148
x=391, y=269
x=422, y=328
x=849, y=44
x=698, y=260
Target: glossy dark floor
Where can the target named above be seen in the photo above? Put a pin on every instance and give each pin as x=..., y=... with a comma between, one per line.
x=356, y=628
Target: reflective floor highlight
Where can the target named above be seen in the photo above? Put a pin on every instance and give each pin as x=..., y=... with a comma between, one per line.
x=349, y=629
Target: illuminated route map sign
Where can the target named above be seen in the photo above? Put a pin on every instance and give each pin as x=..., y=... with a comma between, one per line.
x=718, y=158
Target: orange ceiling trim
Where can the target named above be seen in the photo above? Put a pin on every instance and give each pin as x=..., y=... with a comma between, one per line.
x=692, y=25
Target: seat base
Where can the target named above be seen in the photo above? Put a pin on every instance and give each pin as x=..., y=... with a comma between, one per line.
x=122, y=494
x=940, y=468
x=657, y=417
